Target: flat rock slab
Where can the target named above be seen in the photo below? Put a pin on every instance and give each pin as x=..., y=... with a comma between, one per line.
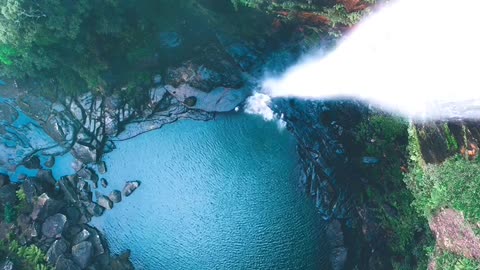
x=220, y=99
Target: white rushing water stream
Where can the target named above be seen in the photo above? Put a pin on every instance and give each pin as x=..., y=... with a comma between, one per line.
x=416, y=58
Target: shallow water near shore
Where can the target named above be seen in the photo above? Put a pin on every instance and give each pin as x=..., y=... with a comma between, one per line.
x=214, y=195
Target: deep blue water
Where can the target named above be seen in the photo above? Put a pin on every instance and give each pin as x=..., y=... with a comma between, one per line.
x=214, y=195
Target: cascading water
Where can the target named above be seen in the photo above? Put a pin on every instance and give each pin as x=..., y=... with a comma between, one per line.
x=416, y=58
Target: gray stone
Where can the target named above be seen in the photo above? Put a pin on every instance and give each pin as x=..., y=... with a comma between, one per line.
x=104, y=202
x=44, y=206
x=58, y=248
x=81, y=236
x=68, y=190
x=104, y=182
x=84, y=191
x=65, y=264
x=94, y=209
x=54, y=225
x=4, y=179
x=82, y=254
x=7, y=265
x=50, y=162
x=130, y=187
x=115, y=196
x=98, y=247
x=73, y=214
x=102, y=167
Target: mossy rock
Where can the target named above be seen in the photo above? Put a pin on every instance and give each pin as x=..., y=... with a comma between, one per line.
x=190, y=101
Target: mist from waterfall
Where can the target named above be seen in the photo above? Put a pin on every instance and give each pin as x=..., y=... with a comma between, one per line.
x=417, y=58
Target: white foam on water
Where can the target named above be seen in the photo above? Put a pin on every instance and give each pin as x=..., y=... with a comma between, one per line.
x=416, y=58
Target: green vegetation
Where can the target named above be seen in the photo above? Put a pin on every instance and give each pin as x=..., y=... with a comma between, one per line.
x=450, y=261
x=24, y=257
x=67, y=48
x=385, y=137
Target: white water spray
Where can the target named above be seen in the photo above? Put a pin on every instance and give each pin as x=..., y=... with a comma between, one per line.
x=417, y=58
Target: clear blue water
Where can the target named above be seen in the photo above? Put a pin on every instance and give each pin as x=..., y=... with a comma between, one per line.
x=214, y=195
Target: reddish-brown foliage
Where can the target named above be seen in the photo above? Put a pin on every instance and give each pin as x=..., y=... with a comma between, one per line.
x=308, y=18
x=353, y=5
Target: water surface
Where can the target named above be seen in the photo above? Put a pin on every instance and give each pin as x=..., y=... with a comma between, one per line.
x=214, y=195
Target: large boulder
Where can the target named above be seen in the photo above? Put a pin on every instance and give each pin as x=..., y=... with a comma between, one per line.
x=45, y=206
x=66, y=264
x=81, y=236
x=57, y=249
x=54, y=225
x=34, y=187
x=82, y=254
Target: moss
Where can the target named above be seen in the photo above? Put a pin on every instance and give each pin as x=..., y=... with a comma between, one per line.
x=451, y=141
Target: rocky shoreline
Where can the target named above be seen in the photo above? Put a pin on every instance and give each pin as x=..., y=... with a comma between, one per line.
x=54, y=215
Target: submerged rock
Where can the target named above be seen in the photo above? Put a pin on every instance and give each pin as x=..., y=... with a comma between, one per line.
x=130, y=187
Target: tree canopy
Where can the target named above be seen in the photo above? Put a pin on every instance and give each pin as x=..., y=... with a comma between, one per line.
x=72, y=46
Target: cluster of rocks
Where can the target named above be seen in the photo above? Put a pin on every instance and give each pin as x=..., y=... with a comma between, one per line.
x=55, y=218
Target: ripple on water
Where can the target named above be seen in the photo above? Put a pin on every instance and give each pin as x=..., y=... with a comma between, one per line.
x=214, y=195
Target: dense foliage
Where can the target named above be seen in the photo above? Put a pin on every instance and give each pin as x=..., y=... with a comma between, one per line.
x=385, y=137
x=71, y=47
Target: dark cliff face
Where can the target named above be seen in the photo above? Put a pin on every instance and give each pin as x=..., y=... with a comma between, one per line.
x=331, y=176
